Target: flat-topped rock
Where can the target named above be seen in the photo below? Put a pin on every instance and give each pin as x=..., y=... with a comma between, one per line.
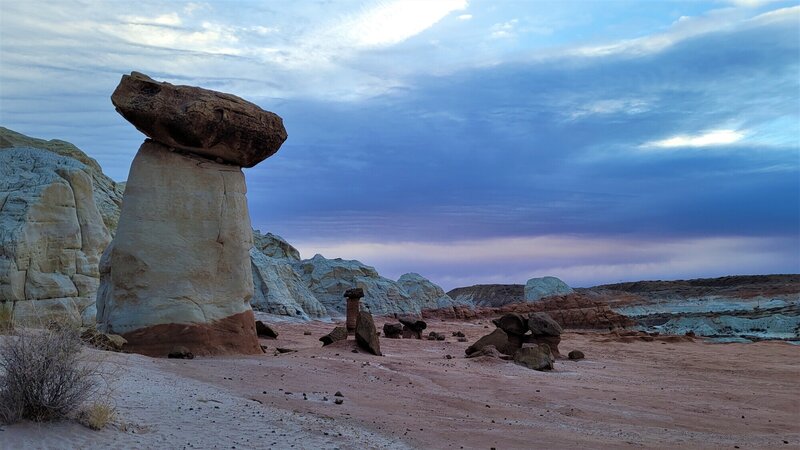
x=200, y=121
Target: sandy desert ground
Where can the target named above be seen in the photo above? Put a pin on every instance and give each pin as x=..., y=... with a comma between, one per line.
x=624, y=394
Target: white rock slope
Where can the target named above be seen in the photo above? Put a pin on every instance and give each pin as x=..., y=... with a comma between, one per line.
x=538, y=288
x=51, y=236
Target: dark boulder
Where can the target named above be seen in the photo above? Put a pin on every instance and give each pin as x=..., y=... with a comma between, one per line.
x=541, y=324
x=265, y=331
x=338, y=334
x=512, y=323
x=366, y=334
x=537, y=357
x=180, y=352
x=393, y=330
x=550, y=341
x=434, y=336
x=499, y=339
x=413, y=323
x=576, y=354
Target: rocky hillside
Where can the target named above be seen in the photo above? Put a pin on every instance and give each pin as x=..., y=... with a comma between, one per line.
x=734, y=307
x=310, y=288
x=489, y=295
x=51, y=237
x=107, y=192
x=748, y=307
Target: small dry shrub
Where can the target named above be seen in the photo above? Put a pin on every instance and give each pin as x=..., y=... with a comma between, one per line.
x=97, y=415
x=43, y=375
x=6, y=318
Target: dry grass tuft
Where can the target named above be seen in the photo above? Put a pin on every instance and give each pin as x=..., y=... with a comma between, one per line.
x=97, y=415
x=6, y=318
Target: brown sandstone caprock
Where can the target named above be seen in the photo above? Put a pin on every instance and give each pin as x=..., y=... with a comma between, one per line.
x=200, y=121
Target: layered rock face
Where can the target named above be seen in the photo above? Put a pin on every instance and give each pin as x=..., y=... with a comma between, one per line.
x=425, y=293
x=51, y=238
x=279, y=289
x=178, y=273
x=329, y=278
x=497, y=295
x=749, y=307
x=106, y=192
x=489, y=295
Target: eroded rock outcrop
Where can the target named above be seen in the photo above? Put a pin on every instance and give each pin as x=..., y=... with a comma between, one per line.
x=329, y=278
x=426, y=294
x=106, y=192
x=539, y=288
x=178, y=271
x=279, y=289
x=51, y=238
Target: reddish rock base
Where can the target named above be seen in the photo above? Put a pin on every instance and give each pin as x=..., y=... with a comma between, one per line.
x=232, y=335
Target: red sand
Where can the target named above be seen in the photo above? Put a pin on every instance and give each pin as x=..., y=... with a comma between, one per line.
x=651, y=394
x=624, y=394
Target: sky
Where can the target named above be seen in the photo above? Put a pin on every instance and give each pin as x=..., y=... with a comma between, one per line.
x=470, y=141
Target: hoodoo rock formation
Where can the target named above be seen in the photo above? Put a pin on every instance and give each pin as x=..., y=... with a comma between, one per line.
x=178, y=273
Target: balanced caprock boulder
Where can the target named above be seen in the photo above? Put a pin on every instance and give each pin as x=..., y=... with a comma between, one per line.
x=178, y=273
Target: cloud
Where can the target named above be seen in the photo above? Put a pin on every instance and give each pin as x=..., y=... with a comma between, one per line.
x=503, y=30
x=685, y=28
x=708, y=139
x=579, y=260
x=465, y=17
x=611, y=106
x=392, y=22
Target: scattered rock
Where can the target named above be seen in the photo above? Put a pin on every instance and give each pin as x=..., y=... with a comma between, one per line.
x=488, y=350
x=413, y=323
x=393, y=330
x=497, y=338
x=306, y=333
x=434, y=336
x=265, y=331
x=285, y=350
x=512, y=323
x=550, y=341
x=536, y=357
x=366, y=334
x=180, y=352
x=542, y=324
x=338, y=394
x=463, y=339
x=338, y=401
x=458, y=334
x=576, y=354
x=338, y=334
x=412, y=327
x=103, y=341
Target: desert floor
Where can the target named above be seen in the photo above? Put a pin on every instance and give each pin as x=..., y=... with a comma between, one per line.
x=624, y=394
